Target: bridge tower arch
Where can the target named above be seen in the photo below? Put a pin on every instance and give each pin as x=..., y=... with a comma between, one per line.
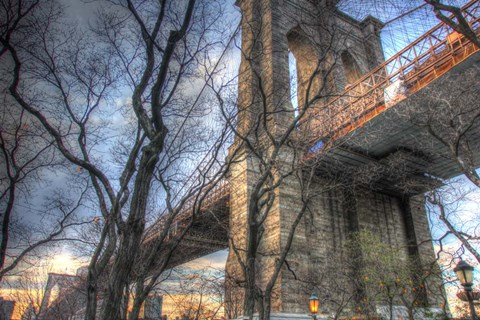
x=331, y=51
x=307, y=57
x=351, y=67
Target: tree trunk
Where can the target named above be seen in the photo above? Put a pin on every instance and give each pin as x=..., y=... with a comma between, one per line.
x=135, y=313
x=6, y=226
x=138, y=301
x=91, y=308
x=267, y=305
x=250, y=272
x=130, y=235
x=125, y=302
x=390, y=306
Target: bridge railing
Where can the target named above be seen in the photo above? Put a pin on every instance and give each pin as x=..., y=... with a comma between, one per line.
x=409, y=70
x=220, y=190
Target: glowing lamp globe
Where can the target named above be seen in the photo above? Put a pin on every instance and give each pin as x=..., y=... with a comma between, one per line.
x=313, y=303
x=464, y=273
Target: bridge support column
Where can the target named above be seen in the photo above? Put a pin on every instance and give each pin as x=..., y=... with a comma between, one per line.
x=290, y=296
x=421, y=251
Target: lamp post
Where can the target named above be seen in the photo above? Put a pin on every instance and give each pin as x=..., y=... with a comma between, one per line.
x=313, y=305
x=464, y=273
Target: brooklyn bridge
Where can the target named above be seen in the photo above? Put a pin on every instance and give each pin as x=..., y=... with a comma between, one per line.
x=365, y=114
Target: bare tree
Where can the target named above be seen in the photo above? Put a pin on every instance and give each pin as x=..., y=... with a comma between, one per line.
x=454, y=206
x=70, y=82
x=452, y=117
x=28, y=158
x=196, y=294
x=151, y=52
x=27, y=291
x=454, y=17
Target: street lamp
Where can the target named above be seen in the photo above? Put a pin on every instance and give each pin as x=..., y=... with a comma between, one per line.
x=464, y=273
x=313, y=305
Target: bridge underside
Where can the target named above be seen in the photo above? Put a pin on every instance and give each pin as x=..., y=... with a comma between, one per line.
x=395, y=149
x=207, y=235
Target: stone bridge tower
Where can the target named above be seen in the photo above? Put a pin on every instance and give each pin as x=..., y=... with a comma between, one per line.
x=318, y=35
x=331, y=50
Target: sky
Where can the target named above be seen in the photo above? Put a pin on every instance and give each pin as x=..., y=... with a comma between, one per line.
x=394, y=35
